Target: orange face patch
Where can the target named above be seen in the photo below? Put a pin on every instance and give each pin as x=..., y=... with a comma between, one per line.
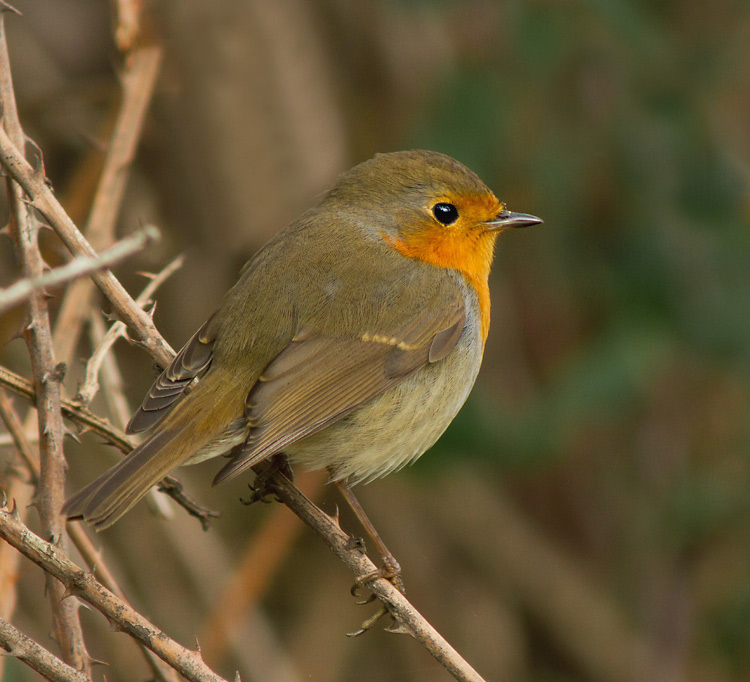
x=465, y=245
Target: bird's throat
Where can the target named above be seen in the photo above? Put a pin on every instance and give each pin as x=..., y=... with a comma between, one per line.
x=471, y=255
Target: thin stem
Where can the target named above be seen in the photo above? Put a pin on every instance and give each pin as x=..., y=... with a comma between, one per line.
x=78, y=267
x=408, y=618
x=25, y=649
x=43, y=199
x=38, y=336
x=83, y=585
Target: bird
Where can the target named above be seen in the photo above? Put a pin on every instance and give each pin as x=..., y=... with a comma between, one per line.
x=349, y=342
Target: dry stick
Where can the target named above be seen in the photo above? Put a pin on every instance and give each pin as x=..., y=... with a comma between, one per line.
x=78, y=267
x=83, y=585
x=76, y=532
x=90, y=385
x=83, y=417
x=138, y=79
x=409, y=619
x=70, y=409
x=38, y=336
x=25, y=649
x=43, y=199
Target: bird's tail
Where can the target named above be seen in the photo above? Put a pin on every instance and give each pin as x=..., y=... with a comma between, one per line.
x=104, y=501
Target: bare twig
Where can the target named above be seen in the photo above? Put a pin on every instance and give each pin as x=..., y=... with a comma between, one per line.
x=138, y=79
x=79, y=267
x=43, y=199
x=91, y=383
x=76, y=532
x=25, y=649
x=38, y=337
x=408, y=618
x=82, y=416
x=82, y=584
x=71, y=410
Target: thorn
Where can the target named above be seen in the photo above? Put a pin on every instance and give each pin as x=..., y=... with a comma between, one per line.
x=36, y=160
x=96, y=661
x=357, y=544
x=237, y=677
x=335, y=519
x=398, y=628
x=71, y=434
x=7, y=7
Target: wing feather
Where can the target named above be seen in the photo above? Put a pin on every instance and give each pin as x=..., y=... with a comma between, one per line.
x=191, y=363
x=317, y=380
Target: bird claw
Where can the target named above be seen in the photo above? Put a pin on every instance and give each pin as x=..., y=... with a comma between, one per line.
x=355, y=593
x=261, y=488
x=370, y=622
x=259, y=492
x=390, y=570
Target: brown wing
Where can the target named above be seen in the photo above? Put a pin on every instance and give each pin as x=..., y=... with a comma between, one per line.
x=316, y=380
x=173, y=383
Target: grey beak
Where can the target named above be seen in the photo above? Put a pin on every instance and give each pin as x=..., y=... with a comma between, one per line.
x=510, y=219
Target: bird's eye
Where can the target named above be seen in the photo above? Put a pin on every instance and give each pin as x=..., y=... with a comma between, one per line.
x=445, y=213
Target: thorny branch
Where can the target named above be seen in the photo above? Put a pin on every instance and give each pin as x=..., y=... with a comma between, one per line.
x=35, y=656
x=83, y=585
x=79, y=267
x=81, y=415
x=43, y=199
x=76, y=532
x=38, y=336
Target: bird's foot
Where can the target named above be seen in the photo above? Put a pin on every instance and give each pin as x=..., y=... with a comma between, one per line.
x=260, y=488
x=391, y=571
x=370, y=622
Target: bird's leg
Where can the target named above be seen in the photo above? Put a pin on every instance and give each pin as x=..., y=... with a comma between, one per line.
x=390, y=569
x=259, y=488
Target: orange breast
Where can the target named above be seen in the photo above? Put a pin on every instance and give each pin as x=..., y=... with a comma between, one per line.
x=468, y=252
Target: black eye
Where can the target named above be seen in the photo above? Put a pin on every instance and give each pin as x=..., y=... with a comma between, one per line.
x=445, y=213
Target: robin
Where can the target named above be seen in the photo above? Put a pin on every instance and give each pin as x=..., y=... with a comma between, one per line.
x=350, y=341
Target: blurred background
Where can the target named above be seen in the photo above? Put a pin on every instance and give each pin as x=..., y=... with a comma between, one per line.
x=586, y=517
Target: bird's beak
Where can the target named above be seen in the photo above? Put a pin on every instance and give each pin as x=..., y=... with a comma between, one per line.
x=509, y=219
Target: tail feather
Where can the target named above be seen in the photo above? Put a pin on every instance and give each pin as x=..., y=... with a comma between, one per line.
x=104, y=501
